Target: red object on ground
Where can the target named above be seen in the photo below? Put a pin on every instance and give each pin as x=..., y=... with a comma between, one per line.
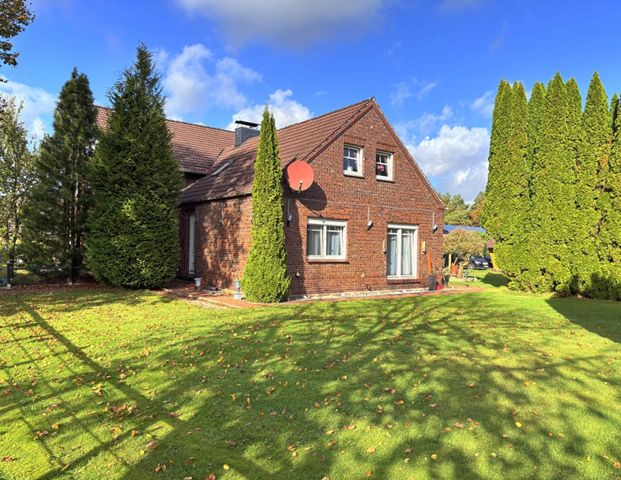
x=439, y=286
x=300, y=175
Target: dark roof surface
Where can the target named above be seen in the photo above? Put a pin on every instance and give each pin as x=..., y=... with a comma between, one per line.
x=302, y=140
x=196, y=147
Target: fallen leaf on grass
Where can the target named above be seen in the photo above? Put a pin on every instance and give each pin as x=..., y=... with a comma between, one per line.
x=616, y=465
x=211, y=476
x=371, y=450
x=459, y=425
x=518, y=424
x=160, y=468
x=226, y=467
x=56, y=426
x=8, y=458
x=434, y=456
x=151, y=445
x=349, y=427
x=231, y=443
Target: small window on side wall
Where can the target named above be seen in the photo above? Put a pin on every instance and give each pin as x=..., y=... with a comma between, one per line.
x=352, y=161
x=383, y=166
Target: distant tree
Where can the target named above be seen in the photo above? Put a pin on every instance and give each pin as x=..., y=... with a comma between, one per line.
x=461, y=244
x=16, y=178
x=55, y=218
x=608, y=283
x=553, y=191
x=15, y=16
x=265, y=277
x=476, y=209
x=594, y=138
x=133, y=233
x=457, y=210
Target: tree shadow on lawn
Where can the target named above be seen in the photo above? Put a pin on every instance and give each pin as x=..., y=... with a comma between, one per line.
x=391, y=383
x=602, y=317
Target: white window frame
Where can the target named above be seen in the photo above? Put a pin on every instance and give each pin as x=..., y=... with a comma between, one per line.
x=360, y=160
x=401, y=227
x=325, y=223
x=389, y=166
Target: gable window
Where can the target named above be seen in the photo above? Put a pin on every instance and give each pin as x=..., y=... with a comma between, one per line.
x=383, y=166
x=352, y=160
x=325, y=239
x=402, y=251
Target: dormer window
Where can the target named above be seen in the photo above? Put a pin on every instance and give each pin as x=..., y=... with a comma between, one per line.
x=383, y=166
x=352, y=161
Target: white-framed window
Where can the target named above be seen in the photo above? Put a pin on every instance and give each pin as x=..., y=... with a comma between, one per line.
x=352, y=160
x=326, y=239
x=383, y=166
x=402, y=251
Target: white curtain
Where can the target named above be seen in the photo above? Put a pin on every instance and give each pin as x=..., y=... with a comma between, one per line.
x=391, y=253
x=334, y=241
x=313, y=242
x=406, y=253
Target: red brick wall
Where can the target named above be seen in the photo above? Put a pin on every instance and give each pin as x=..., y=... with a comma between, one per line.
x=406, y=200
x=222, y=240
x=223, y=227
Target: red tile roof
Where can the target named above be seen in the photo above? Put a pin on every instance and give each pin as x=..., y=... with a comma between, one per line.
x=196, y=147
x=304, y=140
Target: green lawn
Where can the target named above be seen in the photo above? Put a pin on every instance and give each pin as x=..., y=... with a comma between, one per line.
x=488, y=384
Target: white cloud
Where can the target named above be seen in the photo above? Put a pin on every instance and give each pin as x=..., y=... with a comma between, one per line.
x=399, y=94
x=286, y=22
x=484, y=104
x=401, y=91
x=38, y=106
x=425, y=124
x=195, y=80
x=286, y=111
x=455, y=159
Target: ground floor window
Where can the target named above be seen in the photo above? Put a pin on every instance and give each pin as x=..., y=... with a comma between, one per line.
x=325, y=239
x=402, y=251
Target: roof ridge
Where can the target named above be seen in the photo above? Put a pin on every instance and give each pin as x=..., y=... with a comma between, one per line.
x=330, y=138
x=181, y=121
x=365, y=101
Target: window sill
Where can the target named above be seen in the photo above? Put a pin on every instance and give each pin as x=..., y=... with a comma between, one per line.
x=355, y=175
x=404, y=280
x=327, y=260
x=384, y=179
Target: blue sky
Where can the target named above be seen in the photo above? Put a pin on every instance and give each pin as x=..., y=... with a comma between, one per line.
x=432, y=65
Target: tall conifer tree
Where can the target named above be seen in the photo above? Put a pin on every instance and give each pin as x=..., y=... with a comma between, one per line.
x=529, y=275
x=493, y=215
x=509, y=176
x=591, y=171
x=608, y=283
x=265, y=277
x=55, y=222
x=133, y=222
x=553, y=190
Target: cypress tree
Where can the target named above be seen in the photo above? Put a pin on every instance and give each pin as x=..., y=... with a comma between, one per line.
x=509, y=175
x=133, y=222
x=55, y=221
x=265, y=277
x=591, y=171
x=553, y=190
x=528, y=277
x=514, y=188
x=608, y=283
x=493, y=216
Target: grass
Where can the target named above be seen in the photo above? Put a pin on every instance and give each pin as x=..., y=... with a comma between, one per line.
x=488, y=384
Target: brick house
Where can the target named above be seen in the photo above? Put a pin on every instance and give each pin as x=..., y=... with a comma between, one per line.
x=370, y=220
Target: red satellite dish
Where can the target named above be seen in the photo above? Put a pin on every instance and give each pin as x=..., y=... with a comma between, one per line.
x=300, y=175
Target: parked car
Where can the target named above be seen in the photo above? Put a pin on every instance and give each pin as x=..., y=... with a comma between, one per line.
x=478, y=263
